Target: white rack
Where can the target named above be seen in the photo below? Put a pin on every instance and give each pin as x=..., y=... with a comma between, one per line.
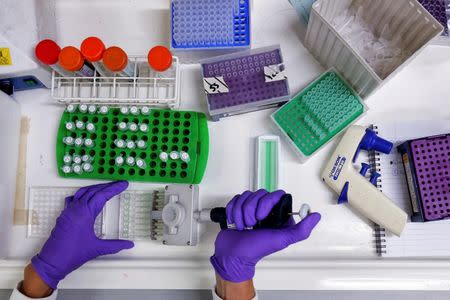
x=146, y=87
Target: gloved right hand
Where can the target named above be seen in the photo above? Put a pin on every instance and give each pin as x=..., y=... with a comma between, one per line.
x=238, y=251
x=73, y=241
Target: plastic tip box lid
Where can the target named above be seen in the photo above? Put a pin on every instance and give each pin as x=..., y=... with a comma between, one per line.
x=71, y=59
x=93, y=48
x=160, y=58
x=47, y=51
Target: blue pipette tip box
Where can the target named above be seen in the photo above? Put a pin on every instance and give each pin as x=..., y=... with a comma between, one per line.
x=210, y=24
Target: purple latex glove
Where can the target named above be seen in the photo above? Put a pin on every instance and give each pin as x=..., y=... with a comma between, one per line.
x=238, y=251
x=73, y=241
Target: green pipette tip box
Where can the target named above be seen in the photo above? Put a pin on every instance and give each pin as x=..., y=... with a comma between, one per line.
x=168, y=131
x=318, y=113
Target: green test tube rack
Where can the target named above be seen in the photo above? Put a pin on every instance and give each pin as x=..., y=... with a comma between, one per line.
x=179, y=132
x=318, y=113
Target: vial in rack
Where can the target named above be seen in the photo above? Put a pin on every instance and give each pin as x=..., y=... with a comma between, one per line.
x=71, y=108
x=131, y=161
x=119, y=161
x=90, y=127
x=87, y=158
x=88, y=168
x=92, y=109
x=83, y=108
x=141, y=144
x=122, y=126
x=70, y=126
x=80, y=125
x=124, y=110
x=66, y=169
x=143, y=127
x=131, y=145
x=140, y=163
x=89, y=143
x=76, y=159
x=132, y=126
x=185, y=156
x=67, y=159
x=134, y=110
x=69, y=141
x=145, y=110
x=174, y=155
x=103, y=110
x=163, y=156
x=77, y=169
x=120, y=143
x=78, y=142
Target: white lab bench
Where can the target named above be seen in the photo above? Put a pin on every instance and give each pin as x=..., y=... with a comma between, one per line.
x=339, y=255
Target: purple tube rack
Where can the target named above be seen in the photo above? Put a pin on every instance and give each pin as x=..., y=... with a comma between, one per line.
x=437, y=9
x=245, y=78
x=432, y=163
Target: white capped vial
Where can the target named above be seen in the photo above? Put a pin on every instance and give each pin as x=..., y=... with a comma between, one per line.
x=70, y=126
x=103, y=110
x=67, y=159
x=71, y=108
x=164, y=156
x=143, y=127
x=141, y=144
x=80, y=125
x=68, y=140
x=78, y=142
x=83, y=108
x=131, y=145
x=119, y=161
x=174, y=155
x=131, y=161
x=88, y=168
x=122, y=126
x=92, y=109
x=76, y=159
x=185, y=156
x=124, y=110
x=145, y=110
x=67, y=169
x=132, y=126
x=87, y=158
x=89, y=143
x=140, y=163
x=77, y=169
x=134, y=110
x=120, y=143
x=90, y=127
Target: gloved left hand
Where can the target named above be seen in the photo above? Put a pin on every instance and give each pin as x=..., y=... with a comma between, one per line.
x=73, y=241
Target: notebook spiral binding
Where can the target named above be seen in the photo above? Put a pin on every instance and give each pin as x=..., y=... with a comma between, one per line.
x=379, y=232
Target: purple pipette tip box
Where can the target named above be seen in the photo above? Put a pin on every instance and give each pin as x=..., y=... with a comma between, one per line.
x=427, y=169
x=437, y=9
x=244, y=75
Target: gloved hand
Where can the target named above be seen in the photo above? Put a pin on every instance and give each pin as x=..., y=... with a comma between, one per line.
x=238, y=251
x=73, y=241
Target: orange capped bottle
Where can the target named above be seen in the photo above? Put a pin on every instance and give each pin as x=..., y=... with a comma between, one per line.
x=93, y=49
x=116, y=61
x=71, y=59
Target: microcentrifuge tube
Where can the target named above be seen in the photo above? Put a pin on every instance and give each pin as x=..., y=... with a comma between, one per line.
x=119, y=161
x=67, y=159
x=164, y=156
x=67, y=169
x=78, y=142
x=89, y=143
x=134, y=110
x=141, y=144
x=122, y=126
x=131, y=161
x=145, y=110
x=124, y=110
x=103, y=110
x=77, y=169
x=88, y=168
x=185, y=156
x=80, y=125
x=92, y=109
x=140, y=163
x=90, y=127
x=131, y=145
x=143, y=127
x=76, y=159
x=83, y=108
x=87, y=158
x=132, y=126
x=71, y=108
x=174, y=155
x=70, y=126
x=120, y=143
x=69, y=141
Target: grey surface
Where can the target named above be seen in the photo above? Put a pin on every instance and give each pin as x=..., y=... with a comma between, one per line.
x=265, y=295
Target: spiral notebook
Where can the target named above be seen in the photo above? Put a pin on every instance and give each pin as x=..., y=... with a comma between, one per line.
x=430, y=239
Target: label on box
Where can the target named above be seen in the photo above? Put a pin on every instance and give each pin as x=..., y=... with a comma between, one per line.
x=215, y=85
x=5, y=57
x=274, y=73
